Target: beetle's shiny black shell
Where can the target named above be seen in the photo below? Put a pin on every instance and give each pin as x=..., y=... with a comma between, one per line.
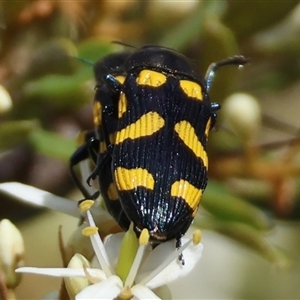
x=159, y=160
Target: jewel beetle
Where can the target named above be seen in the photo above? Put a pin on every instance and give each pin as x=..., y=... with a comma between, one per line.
x=152, y=116
x=159, y=151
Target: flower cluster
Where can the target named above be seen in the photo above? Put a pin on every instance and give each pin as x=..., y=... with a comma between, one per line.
x=124, y=266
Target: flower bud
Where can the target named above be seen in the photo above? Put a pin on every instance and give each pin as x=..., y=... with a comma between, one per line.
x=11, y=252
x=78, y=243
x=74, y=285
x=5, y=100
x=243, y=115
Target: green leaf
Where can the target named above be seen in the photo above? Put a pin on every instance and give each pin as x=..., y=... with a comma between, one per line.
x=15, y=132
x=93, y=49
x=226, y=206
x=184, y=32
x=53, y=144
x=65, y=92
x=247, y=236
x=246, y=19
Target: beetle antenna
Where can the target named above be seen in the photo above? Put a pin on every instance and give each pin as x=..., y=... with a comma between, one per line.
x=85, y=61
x=234, y=60
x=123, y=44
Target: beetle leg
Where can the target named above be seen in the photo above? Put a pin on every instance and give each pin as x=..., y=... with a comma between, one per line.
x=178, y=245
x=100, y=164
x=88, y=149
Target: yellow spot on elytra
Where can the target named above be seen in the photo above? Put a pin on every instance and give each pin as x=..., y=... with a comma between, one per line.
x=195, y=211
x=191, y=89
x=112, y=137
x=207, y=128
x=80, y=138
x=122, y=106
x=86, y=205
x=144, y=237
x=89, y=230
x=197, y=236
x=97, y=113
x=146, y=125
x=102, y=147
x=120, y=78
x=188, y=192
x=112, y=192
x=129, y=179
x=151, y=78
x=188, y=135
x=102, y=144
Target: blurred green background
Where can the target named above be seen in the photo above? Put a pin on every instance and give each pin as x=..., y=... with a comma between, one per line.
x=252, y=198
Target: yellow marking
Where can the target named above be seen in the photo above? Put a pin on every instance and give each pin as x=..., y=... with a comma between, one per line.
x=80, y=138
x=147, y=124
x=195, y=211
x=130, y=179
x=102, y=147
x=122, y=106
x=151, y=78
x=112, y=137
x=102, y=144
x=188, y=135
x=207, y=128
x=112, y=192
x=191, y=89
x=120, y=78
x=188, y=192
x=97, y=113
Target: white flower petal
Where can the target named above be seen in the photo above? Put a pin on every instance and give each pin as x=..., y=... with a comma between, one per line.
x=112, y=244
x=174, y=270
x=142, y=292
x=63, y=272
x=107, y=289
x=31, y=195
x=163, y=292
x=55, y=272
x=156, y=258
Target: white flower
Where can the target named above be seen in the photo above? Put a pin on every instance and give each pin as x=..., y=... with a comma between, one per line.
x=148, y=269
x=37, y=197
x=159, y=268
